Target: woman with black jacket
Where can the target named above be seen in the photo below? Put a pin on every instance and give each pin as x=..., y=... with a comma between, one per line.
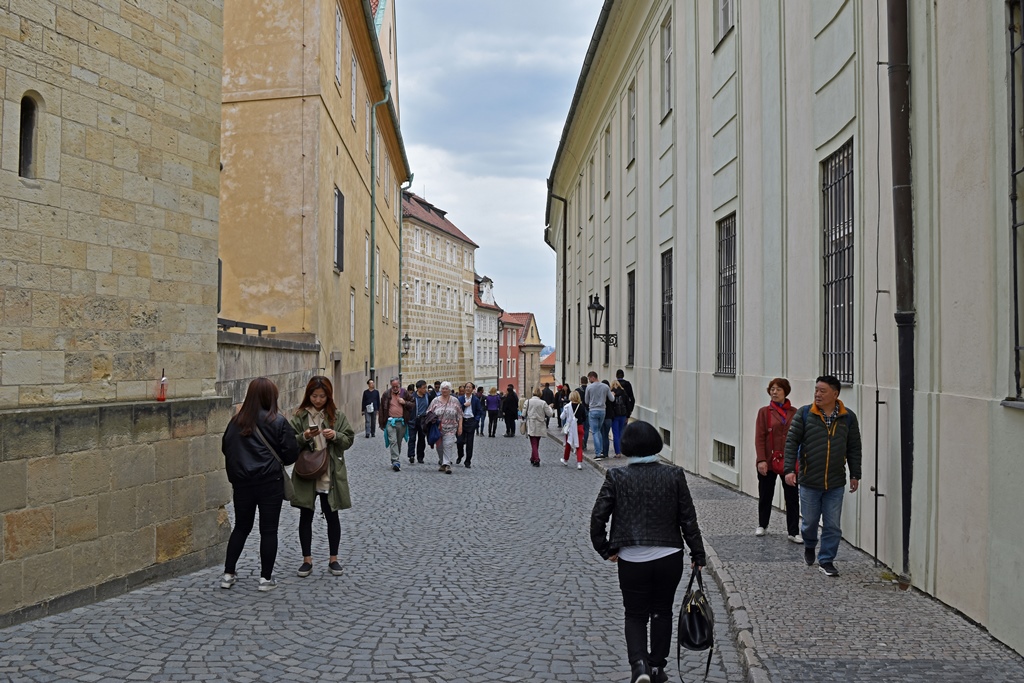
x=510, y=410
x=652, y=515
x=256, y=475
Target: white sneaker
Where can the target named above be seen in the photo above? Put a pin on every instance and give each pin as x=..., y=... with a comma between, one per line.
x=760, y=531
x=579, y=466
x=795, y=539
x=565, y=462
x=267, y=584
x=228, y=581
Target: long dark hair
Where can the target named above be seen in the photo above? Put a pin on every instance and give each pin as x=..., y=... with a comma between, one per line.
x=261, y=395
x=319, y=382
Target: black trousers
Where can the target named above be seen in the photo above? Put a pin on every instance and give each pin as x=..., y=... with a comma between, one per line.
x=648, y=591
x=765, y=493
x=464, y=441
x=510, y=425
x=267, y=497
x=306, y=527
x=492, y=422
x=417, y=440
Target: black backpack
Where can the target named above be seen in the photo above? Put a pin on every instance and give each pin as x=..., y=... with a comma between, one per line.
x=696, y=622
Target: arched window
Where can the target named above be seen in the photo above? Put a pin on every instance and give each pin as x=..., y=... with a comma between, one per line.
x=27, y=148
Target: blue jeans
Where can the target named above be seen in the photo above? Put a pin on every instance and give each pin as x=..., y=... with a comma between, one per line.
x=596, y=429
x=371, y=423
x=828, y=506
x=618, y=424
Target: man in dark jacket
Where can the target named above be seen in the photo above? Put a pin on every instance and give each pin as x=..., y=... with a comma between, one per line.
x=825, y=437
x=369, y=406
x=627, y=386
x=548, y=397
x=417, y=432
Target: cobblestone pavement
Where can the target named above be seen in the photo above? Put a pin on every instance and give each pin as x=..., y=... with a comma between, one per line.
x=483, y=575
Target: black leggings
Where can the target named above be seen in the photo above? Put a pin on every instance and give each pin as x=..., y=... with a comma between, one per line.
x=306, y=527
x=492, y=422
x=268, y=497
x=648, y=589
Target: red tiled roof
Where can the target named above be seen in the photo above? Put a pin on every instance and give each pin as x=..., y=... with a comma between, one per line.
x=548, y=360
x=418, y=208
x=520, y=319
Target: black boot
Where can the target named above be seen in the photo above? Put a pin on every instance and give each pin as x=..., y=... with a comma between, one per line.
x=640, y=673
x=659, y=675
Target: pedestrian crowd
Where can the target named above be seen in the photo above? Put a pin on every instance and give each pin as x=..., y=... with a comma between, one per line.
x=647, y=503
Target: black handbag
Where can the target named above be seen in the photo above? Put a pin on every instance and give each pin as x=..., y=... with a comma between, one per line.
x=696, y=621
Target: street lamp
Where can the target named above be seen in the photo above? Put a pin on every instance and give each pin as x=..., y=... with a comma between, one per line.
x=406, y=341
x=595, y=311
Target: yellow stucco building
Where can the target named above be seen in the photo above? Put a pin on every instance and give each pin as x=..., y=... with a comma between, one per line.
x=310, y=135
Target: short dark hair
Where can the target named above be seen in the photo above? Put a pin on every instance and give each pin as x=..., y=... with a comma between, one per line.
x=619, y=374
x=437, y=382
x=831, y=381
x=583, y=379
x=782, y=383
x=421, y=383
x=592, y=374
x=640, y=439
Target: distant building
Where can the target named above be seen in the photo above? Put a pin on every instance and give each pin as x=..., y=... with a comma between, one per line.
x=509, y=329
x=486, y=333
x=547, y=370
x=523, y=352
x=438, y=309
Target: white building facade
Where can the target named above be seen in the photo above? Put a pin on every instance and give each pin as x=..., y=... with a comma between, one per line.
x=724, y=185
x=485, y=334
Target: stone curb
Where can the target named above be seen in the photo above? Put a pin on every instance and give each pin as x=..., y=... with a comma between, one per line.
x=738, y=614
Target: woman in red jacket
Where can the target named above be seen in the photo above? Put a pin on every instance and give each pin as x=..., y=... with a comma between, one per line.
x=770, y=441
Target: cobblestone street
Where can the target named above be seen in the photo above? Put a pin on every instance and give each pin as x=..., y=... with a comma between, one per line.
x=484, y=575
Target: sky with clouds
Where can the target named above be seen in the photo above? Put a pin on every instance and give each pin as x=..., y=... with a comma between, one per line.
x=485, y=89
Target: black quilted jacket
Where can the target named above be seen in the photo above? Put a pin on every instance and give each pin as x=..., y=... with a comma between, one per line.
x=649, y=504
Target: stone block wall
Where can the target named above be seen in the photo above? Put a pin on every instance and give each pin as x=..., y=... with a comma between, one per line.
x=98, y=500
x=108, y=270
x=288, y=362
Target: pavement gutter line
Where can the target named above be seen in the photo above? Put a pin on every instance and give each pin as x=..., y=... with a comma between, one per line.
x=739, y=620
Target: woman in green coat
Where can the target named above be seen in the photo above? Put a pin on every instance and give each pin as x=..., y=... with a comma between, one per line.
x=319, y=424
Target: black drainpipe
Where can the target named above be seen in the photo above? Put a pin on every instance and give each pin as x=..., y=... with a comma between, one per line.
x=562, y=352
x=903, y=232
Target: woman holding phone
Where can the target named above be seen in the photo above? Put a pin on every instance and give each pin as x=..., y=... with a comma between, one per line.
x=319, y=424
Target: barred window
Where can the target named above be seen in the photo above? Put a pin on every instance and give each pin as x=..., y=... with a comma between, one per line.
x=837, y=256
x=726, y=364
x=607, y=325
x=666, y=310
x=724, y=454
x=631, y=127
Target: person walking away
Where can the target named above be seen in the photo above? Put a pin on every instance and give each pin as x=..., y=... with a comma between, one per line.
x=652, y=515
x=483, y=415
x=561, y=398
x=597, y=401
x=493, y=405
x=571, y=413
x=826, y=436
x=449, y=415
x=319, y=424
x=417, y=434
x=620, y=414
x=472, y=410
x=620, y=377
x=548, y=397
x=585, y=418
x=536, y=412
x=256, y=472
x=369, y=407
x=395, y=410
x=510, y=409
x=606, y=425
x=770, y=430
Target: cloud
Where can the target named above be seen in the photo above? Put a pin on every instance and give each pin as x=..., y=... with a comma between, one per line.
x=485, y=89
